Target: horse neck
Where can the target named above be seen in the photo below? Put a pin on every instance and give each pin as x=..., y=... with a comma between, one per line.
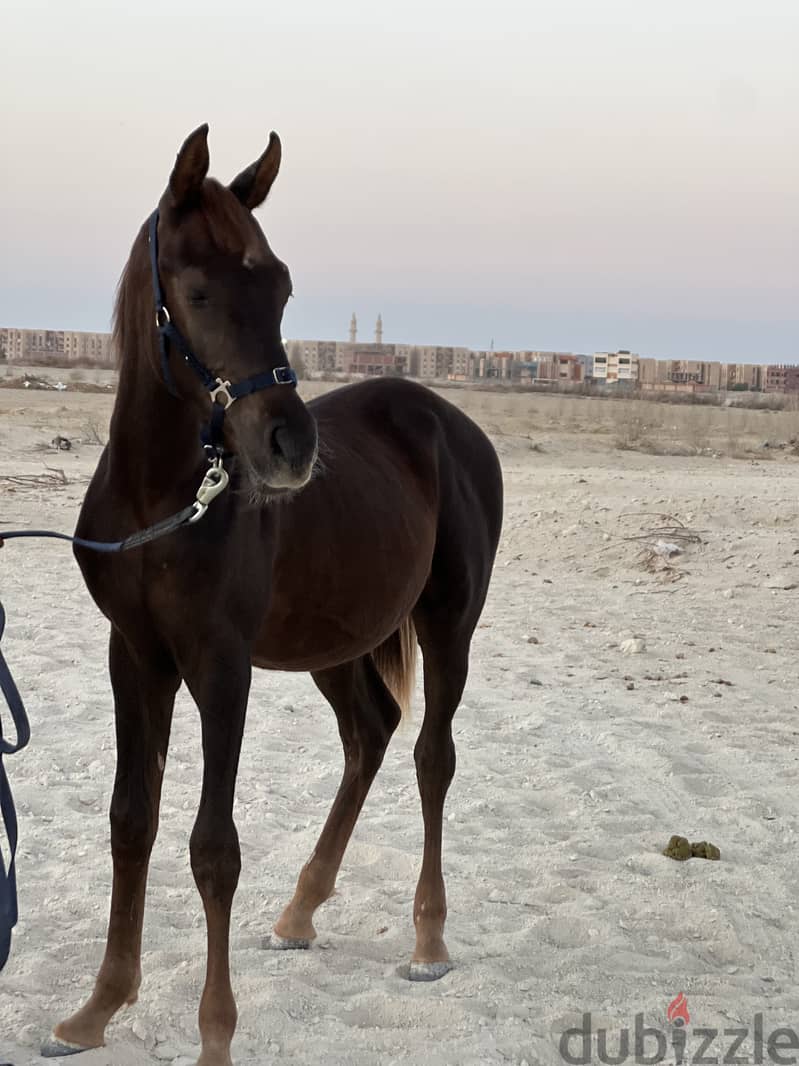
x=154, y=438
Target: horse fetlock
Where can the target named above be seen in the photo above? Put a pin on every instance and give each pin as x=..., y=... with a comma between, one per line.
x=293, y=926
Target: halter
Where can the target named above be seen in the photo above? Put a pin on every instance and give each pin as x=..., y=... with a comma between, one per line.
x=221, y=392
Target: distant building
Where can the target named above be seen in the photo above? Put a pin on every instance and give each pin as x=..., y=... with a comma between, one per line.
x=441, y=362
x=609, y=368
x=743, y=377
x=56, y=347
x=435, y=362
x=559, y=368
x=779, y=378
x=372, y=360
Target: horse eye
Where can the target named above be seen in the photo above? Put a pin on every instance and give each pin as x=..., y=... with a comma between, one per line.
x=197, y=298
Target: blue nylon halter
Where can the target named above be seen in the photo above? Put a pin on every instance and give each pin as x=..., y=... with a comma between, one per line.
x=168, y=333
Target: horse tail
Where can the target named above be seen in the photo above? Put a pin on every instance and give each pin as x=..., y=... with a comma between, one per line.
x=395, y=660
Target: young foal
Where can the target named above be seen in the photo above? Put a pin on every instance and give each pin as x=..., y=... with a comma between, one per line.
x=390, y=540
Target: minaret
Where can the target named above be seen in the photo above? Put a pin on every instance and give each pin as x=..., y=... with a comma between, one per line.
x=379, y=330
x=353, y=328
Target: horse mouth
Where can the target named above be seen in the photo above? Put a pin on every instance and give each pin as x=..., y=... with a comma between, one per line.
x=278, y=481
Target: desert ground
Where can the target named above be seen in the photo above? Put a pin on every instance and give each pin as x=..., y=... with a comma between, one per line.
x=618, y=694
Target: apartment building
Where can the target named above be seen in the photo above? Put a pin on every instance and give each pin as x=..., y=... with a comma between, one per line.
x=695, y=372
x=56, y=346
x=744, y=377
x=780, y=378
x=609, y=368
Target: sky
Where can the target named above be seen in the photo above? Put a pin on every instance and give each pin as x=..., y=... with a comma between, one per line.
x=573, y=174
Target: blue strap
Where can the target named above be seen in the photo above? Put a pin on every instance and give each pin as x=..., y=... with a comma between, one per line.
x=8, y=878
x=281, y=375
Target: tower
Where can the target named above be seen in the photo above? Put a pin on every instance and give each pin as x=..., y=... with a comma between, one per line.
x=379, y=330
x=353, y=328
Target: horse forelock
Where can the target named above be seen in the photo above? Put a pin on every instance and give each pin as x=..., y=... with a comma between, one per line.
x=230, y=225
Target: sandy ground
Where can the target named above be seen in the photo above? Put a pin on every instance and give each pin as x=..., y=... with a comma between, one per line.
x=576, y=763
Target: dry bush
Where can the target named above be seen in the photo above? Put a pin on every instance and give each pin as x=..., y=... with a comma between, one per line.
x=632, y=434
x=91, y=434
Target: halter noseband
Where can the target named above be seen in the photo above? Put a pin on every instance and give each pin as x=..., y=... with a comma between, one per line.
x=221, y=392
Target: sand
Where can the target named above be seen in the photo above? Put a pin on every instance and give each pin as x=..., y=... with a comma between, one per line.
x=577, y=761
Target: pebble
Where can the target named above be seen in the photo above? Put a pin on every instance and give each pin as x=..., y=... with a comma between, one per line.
x=633, y=646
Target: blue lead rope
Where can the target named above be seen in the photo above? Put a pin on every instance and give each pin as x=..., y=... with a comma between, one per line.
x=8, y=878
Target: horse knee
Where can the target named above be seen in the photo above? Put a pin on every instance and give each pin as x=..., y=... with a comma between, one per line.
x=215, y=857
x=133, y=827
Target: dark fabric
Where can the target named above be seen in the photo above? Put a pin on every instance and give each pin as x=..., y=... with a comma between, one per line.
x=8, y=878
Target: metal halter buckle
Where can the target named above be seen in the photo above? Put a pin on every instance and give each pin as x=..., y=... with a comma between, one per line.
x=222, y=389
x=283, y=375
x=215, y=481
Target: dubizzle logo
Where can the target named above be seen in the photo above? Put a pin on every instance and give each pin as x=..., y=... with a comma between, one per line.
x=677, y=1013
x=647, y=1045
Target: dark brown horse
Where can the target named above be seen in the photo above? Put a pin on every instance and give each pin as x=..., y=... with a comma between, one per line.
x=351, y=528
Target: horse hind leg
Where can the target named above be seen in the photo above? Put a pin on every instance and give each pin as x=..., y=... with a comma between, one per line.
x=444, y=639
x=367, y=715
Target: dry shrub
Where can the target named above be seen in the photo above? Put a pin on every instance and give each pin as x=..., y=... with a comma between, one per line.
x=632, y=434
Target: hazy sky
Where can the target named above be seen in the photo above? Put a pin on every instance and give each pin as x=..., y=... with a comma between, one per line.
x=572, y=174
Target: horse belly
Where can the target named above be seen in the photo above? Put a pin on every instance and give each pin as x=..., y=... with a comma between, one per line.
x=334, y=616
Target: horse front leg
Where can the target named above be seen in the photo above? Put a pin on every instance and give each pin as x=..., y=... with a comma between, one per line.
x=219, y=683
x=144, y=682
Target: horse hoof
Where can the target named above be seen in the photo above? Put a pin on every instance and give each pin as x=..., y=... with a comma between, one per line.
x=56, y=1049
x=428, y=971
x=273, y=942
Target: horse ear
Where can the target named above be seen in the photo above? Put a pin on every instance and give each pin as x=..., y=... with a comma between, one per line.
x=252, y=186
x=191, y=166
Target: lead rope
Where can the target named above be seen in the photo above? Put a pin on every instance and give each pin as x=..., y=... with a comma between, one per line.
x=215, y=481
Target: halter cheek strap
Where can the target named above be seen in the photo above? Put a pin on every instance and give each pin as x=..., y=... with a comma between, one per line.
x=221, y=392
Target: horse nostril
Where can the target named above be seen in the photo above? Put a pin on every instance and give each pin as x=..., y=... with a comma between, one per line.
x=274, y=441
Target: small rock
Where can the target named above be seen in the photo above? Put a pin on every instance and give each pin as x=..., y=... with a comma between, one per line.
x=633, y=646
x=144, y=1034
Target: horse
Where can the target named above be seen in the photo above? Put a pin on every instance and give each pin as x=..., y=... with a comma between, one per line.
x=350, y=530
